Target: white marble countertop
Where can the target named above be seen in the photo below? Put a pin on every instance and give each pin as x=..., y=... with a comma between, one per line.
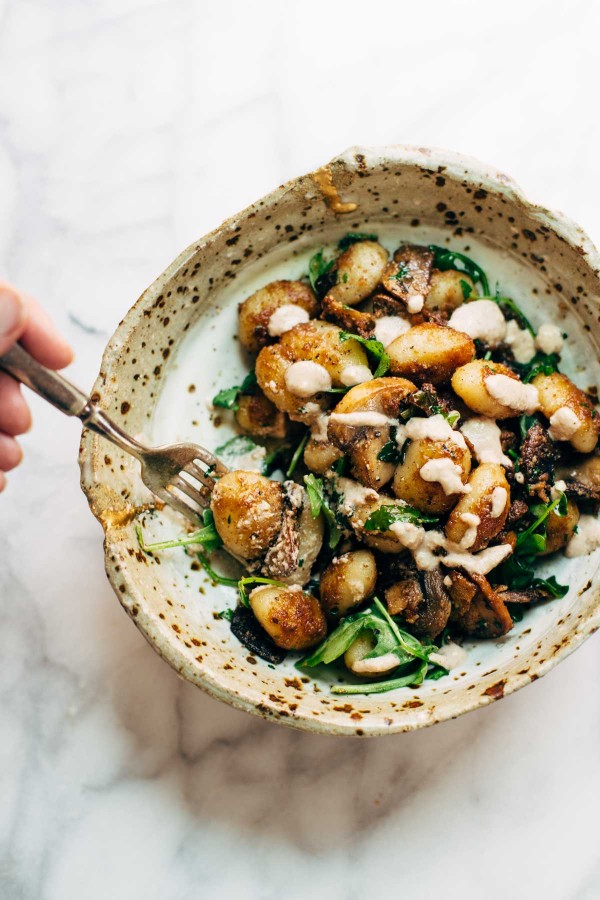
x=128, y=128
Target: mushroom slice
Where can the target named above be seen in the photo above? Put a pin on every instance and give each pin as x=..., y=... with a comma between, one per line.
x=486, y=615
x=409, y=274
x=281, y=559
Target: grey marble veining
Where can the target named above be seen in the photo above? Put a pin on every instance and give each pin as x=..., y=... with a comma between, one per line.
x=128, y=128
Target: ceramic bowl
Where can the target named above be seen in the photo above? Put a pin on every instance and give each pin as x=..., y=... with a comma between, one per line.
x=176, y=347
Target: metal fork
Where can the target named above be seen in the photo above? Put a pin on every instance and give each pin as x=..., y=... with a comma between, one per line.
x=178, y=474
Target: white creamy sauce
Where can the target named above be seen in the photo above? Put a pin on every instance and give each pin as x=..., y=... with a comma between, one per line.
x=388, y=328
x=401, y=435
x=498, y=501
x=318, y=429
x=306, y=378
x=415, y=303
x=519, y=478
x=360, y=419
x=446, y=473
x=481, y=319
x=549, y=338
x=484, y=436
x=587, y=538
x=353, y=495
x=286, y=317
x=433, y=428
x=447, y=581
x=558, y=488
x=564, y=423
x=471, y=520
x=520, y=341
x=422, y=545
x=522, y=398
x=355, y=374
x=450, y=656
x=377, y=665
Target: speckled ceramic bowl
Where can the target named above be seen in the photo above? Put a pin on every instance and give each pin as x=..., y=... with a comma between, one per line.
x=176, y=347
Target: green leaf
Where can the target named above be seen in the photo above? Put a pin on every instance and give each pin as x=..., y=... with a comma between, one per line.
x=542, y=511
x=435, y=673
x=319, y=503
x=466, y=292
x=236, y=446
x=525, y=423
x=384, y=517
x=214, y=576
x=228, y=397
x=375, y=348
x=318, y=268
x=207, y=537
x=542, y=363
x=226, y=614
x=297, y=454
x=551, y=585
x=338, y=641
x=444, y=259
x=413, y=678
x=390, y=452
x=340, y=465
x=353, y=237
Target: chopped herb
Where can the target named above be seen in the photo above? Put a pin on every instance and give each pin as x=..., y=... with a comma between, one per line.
x=225, y=614
x=297, y=454
x=345, y=278
x=319, y=503
x=374, y=347
x=354, y=237
x=401, y=274
x=384, y=517
x=445, y=259
x=320, y=274
x=228, y=398
x=525, y=423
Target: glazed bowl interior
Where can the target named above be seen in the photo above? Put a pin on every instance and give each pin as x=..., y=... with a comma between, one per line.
x=176, y=348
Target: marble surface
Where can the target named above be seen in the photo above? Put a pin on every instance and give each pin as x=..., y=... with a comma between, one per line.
x=127, y=129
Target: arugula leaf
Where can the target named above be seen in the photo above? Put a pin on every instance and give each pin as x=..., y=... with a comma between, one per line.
x=236, y=446
x=436, y=673
x=353, y=237
x=428, y=402
x=228, y=397
x=319, y=503
x=413, y=678
x=542, y=363
x=320, y=274
x=444, y=258
x=208, y=537
x=525, y=423
x=297, y=454
x=467, y=290
x=551, y=585
x=214, y=576
x=381, y=519
x=340, y=465
x=374, y=347
x=390, y=452
x=411, y=645
x=541, y=511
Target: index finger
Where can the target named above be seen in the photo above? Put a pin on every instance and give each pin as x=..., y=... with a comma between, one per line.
x=42, y=339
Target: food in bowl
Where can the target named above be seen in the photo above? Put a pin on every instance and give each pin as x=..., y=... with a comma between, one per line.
x=408, y=452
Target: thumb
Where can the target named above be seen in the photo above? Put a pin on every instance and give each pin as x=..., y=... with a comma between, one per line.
x=13, y=317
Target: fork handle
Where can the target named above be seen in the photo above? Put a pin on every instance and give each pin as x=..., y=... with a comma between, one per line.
x=65, y=397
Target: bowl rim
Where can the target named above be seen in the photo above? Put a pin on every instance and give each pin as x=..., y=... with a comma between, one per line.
x=116, y=560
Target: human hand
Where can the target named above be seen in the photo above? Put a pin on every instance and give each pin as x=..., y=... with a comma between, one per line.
x=22, y=319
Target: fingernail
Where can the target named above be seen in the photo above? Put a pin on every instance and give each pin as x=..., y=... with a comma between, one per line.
x=12, y=312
